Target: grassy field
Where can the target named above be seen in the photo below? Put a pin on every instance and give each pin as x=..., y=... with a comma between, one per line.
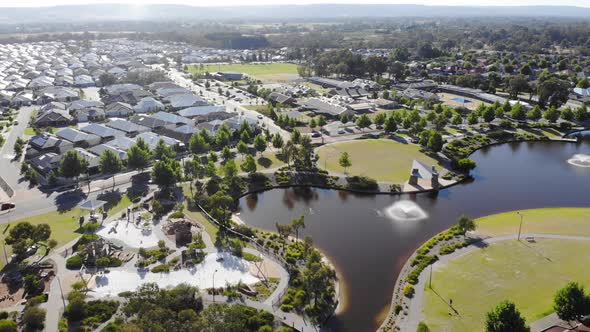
x=523, y=272
x=266, y=161
x=63, y=224
x=382, y=160
x=527, y=273
x=565, y=221
x=263, y=72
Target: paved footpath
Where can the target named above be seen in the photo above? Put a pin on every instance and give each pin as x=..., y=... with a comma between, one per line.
x=415, y=307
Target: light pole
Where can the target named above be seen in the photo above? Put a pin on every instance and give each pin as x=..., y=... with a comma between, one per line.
x=430, y=279
x=520, y=225
x=214, y=285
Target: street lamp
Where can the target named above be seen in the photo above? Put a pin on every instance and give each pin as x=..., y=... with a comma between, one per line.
x=520, y=225
x=214, y=285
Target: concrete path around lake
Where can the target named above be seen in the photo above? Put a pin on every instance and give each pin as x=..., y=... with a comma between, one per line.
x=415, y=310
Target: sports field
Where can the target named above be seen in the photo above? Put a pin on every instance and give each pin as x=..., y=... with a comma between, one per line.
x=266, y=72
x=382, y=160
x=527, y=273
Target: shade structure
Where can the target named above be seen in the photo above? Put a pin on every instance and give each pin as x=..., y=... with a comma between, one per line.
x=461, y=100
x=92, y=204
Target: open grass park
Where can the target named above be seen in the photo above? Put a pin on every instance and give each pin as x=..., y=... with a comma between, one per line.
x=267, y=72
x=382, y=160
x=527, y=273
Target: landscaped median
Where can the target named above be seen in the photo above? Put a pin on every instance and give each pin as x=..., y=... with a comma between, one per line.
x=550, y=253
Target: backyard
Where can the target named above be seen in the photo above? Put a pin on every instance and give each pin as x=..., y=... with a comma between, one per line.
x=528, y=273
x=267, y=72
x=382, y=160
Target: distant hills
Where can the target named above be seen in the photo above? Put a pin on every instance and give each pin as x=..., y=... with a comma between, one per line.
x=125, y=12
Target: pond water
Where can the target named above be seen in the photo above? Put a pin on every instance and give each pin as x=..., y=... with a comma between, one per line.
x=369, y=244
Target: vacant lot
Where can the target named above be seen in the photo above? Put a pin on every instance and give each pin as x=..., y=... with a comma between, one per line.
x=266, y=72
x=523, y=272
x=382, y=160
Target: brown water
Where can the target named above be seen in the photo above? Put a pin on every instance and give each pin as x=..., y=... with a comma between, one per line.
x=369, y=249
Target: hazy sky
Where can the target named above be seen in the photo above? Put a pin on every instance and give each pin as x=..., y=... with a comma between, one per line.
x=35, y=3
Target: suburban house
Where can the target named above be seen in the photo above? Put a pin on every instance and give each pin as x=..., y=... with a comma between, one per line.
x=79, y=138
x=170, y=118
x=53, y=118
x=93, y=114
x=129, y=128
x=152, y=140
x=205, y=113
x=180, y=101
x=152, y=123
x=118, y=110
x=279, y=98
x=326, y=107
x=104, y=132
x=101, y=148
x=45, y=143
x=148, y=105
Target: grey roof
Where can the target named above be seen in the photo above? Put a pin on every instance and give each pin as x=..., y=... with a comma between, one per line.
x=152, y=139
x=54, y=115
x=185, y=100
x=321, y=106
x=126, y=126
x=123, y=143
x=83, y=103
x=201, y=110
x=75, y=135
x=101, y=148
x=186, y=129
x=46, y=141
x=148, y=121
x=172, y=118
x=102, y=131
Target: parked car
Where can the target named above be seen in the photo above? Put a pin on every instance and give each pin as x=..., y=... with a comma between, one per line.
x=341, y=131
x=7, y=206
x=316, y=134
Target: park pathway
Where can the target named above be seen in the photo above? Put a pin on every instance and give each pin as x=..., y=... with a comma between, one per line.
x=415, y=307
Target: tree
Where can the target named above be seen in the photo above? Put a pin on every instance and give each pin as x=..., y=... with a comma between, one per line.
x=466, y=224
x=110, y=163
x=363, y=121
x=230, y=169
x=242, y=148
x=249, y=165
x=166, y=172
x=312, y=124
x=488, y=114
x=260, y=143
x=380, y=119
x=284, y=231
x=138, y=156
x=296, y=136
x=226, y=153
x=517, y=112
x=72, y=165
x=517, y=84
x=296, y=224
x=505, y=317
x=24, y=234
x=197, y=144
x=553, y=92
x=7, y=325
x=567, y=114
x=107, y=79
x=34, y=318
x=571, y=302
x=435, y=141
x=465, y=165
x=534, y=114
x=345, y=161
x=551, y=114
x=472, y=118
x=277, y=141
x=162, y=150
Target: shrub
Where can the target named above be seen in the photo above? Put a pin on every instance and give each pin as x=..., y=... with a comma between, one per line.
x=251, y=257
x=408, y=290
x=397, y=309
x=177, y=215
x=74, y=262
x=362, y=183
x=422, y=327
x=161, y=268
x=7, y=325
x=286, y=307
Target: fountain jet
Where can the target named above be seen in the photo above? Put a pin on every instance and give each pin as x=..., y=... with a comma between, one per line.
x=405, y=211
x=580, y=160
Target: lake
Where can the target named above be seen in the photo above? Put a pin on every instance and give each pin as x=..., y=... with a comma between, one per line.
x=369, y=249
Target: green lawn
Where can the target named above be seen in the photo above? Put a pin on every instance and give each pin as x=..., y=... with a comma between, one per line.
x=63, y=224
x=29, y=131
x=565, y=221
x=523, y=272
x=382, y=160
x=264, y=72
x=268, y=160
x=527, y=273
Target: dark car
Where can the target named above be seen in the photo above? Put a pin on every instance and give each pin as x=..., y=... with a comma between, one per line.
x=7, y=206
